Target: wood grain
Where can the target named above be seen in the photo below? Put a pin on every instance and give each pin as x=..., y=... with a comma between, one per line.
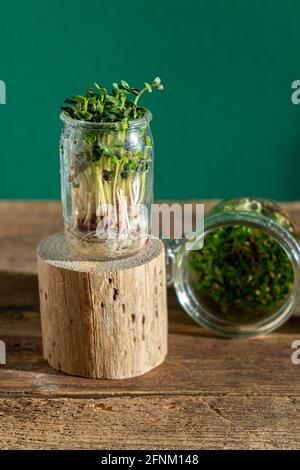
x=155, y=422
x=209, y=393
x=103, y=320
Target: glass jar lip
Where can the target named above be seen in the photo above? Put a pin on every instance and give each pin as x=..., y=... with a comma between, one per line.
x=287, y=240
x=107, y=126
x=282, y=234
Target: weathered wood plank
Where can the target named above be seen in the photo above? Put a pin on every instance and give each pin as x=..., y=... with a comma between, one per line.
x=180, y=422
x=23, y=226
x=210, y=392
x=198, y=363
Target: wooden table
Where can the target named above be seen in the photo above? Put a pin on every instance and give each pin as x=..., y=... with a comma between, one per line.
x=210, y=393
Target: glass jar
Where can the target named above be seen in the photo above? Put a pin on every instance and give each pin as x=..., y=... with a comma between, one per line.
x=244, y=280
x=106, y=186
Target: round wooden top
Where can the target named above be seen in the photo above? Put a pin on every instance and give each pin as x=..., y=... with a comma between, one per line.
x=53, y=250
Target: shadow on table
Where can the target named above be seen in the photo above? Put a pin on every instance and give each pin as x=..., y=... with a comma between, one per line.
x=20, y=327
x=181, y=323
x=18, y=291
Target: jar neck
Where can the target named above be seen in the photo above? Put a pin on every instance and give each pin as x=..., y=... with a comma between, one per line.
x=257, y=206
x=287, y=239
x=107, y=127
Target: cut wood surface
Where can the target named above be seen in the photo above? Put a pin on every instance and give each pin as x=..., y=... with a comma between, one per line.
x=210, y=393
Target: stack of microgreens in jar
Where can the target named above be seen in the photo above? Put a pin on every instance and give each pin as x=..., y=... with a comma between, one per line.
x=106, y=159
x=242, y=273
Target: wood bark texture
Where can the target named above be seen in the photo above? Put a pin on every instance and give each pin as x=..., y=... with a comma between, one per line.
x=102, y=319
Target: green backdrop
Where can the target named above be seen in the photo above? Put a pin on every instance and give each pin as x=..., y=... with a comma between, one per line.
x=225, y=124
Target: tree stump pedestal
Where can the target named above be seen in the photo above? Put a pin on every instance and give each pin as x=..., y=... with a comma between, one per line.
x=102, y=319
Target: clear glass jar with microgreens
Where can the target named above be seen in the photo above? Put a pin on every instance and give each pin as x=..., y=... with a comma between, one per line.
x=106, y=186
x=244, y=279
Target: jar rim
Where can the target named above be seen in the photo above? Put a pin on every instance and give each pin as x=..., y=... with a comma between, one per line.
x=106, y=126
x=288, y=242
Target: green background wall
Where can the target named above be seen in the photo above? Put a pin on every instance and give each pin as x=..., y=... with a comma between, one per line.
x=225, y=124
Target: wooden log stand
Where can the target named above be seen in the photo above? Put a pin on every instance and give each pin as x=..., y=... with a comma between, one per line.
x=105, y=319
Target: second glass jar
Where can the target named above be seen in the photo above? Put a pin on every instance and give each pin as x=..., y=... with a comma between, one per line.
x=244, y=280
x=106, y=186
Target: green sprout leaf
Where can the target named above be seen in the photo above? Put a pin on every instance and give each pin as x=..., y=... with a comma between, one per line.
x=148, y=87
x=90, y=138
x=108, y=151
x=124, y=84
x=102, y=90
x=242, y=271
x=100, y=106
x=115, y=160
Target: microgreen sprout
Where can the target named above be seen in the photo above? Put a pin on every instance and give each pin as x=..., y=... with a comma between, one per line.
x=108, y=168
x=242, y=273
x=121, y=104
